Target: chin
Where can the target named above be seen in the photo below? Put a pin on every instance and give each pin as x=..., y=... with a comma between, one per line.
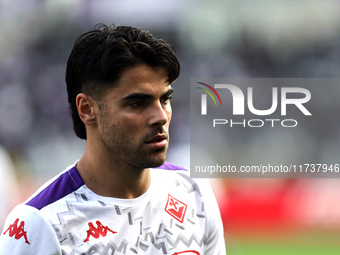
x=157, y=161
x=150, y=161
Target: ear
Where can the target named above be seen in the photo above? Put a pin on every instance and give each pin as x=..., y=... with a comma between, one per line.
x=87, y=108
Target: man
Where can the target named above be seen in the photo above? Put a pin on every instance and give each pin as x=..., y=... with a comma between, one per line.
x=121, y=197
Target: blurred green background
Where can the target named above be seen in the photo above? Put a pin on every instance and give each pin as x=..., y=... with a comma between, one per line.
x=279, y=38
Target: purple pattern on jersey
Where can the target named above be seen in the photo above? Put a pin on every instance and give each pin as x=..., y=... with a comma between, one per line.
x=69, y=182
x=59, y=188
x=169, y=166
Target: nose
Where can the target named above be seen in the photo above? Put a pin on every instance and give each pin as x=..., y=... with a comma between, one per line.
x=161, y=114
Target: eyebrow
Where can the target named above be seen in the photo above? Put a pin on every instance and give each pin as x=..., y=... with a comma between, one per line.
x=146, y=96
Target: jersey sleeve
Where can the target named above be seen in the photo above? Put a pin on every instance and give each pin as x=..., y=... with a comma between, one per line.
x=27, y=232
x=215, y=237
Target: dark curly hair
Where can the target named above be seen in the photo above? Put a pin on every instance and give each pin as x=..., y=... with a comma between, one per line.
x=99, y=57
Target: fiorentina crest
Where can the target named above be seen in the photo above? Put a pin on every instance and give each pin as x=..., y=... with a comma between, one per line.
x=176, y=208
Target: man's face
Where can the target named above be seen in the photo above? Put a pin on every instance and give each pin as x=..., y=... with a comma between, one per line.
x=135, y=116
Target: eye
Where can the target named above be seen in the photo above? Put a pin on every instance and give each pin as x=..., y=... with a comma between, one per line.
x=137, y=103
x=166, y=100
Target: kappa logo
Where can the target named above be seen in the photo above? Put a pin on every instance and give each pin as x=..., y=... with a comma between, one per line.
x=16, y=231
x=98, y=231
x=176, y=208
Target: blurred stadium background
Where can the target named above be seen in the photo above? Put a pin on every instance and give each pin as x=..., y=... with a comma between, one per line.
x=279, y=38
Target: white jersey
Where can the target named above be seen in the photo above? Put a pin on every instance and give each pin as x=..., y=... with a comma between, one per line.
x=177, y=215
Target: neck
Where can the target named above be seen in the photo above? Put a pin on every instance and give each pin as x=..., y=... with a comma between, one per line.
x=108, y=178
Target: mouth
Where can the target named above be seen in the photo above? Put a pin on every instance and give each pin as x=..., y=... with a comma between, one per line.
x=158, y=141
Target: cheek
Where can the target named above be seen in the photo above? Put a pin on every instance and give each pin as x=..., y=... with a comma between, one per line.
x=123, y=121
x=169, y=113
x=129, y=124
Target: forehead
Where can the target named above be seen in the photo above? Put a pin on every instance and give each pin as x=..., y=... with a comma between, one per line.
x=142, y=79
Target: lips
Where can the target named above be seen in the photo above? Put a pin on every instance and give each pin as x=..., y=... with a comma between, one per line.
x=157, y=138
x=158, y=142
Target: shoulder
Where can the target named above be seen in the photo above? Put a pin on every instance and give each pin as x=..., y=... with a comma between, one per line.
x=60, y=186
x=28, y=228
x=23, y=232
